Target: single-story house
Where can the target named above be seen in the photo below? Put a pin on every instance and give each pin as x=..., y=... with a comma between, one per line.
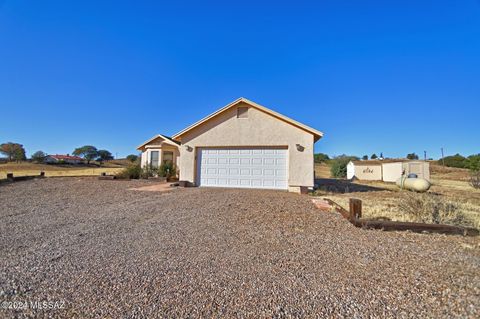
x=59, y=159
x=387, y=170
x=243, y=145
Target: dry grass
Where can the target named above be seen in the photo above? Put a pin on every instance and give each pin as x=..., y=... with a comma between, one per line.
x=451, y=199
x=29, y=169
x=322, y=170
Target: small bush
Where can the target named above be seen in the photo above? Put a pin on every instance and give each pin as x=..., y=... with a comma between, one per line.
x=473, y=162
x=133, y=171
x=338, y=168
x=167, y=170
x=475, y=179
x=321, y=158
x=148, y=171
x=432, y=209
x=132, y=158
x=456, y=160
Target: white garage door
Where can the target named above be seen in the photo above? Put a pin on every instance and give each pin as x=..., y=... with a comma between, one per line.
x=240, y=167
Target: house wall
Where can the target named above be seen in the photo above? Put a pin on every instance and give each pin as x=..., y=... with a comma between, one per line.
x=259, y=129
x=145, y=159
x=368, y=172
x=392, y=171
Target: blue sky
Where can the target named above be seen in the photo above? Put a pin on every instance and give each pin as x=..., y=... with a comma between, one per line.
x=375, y=76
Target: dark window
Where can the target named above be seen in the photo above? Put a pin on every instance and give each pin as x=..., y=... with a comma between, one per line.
x=154, y=159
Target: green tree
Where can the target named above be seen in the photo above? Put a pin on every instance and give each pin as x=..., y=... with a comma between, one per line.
x=88, y=152
x=338, y=168
x=104, y=155
x=374, y=156
x=38, y=156
x=132, y=157
x=13, y=151
x=320, y=158
x=412, y=156
x=456, y=160
x=473, y=162
x=365, y=157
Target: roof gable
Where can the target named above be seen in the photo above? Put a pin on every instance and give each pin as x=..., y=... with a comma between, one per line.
x=317, y=134
x=164, y=138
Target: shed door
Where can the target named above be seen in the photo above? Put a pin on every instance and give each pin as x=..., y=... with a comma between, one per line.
x=242, y=167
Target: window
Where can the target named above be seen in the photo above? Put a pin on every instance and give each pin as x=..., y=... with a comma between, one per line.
x=242, y=112
x=167, y=157
x=154, y=159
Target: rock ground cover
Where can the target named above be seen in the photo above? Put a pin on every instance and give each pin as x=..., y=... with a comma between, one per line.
x=106, y=251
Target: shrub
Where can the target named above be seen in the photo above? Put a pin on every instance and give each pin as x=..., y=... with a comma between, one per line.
x=133, y=171
x=456, y=160
x=374, y=156
x=132, y=157
x=475, y=179
x=167, y=170
x=148, y=171
x=432, y=209
x=473, y=162
x=320, y=158
x=339, y=165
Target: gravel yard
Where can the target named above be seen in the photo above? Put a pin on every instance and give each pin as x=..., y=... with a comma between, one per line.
x=101, y=250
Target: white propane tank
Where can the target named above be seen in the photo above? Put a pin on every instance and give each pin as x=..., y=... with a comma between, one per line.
x=414, y=184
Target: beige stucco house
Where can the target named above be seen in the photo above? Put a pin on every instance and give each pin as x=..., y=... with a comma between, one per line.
x=242, y=145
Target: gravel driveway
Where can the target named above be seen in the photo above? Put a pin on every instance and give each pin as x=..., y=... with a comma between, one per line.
x=90, y=248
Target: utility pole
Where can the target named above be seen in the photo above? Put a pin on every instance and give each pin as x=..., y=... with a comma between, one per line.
x=443, y=161
x=425, y=156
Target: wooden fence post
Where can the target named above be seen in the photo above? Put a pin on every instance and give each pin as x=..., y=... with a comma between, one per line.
x=355, y=208
x=42, y=174
x=10, y=177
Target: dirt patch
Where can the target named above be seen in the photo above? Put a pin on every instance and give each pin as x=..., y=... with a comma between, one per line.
x=160, y=187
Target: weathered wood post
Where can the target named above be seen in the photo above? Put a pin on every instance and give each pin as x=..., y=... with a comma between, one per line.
x=355, y=208
x=42, y=174
x=10, y=177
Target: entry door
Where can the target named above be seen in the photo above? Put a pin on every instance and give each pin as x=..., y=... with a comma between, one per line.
x=242, y=167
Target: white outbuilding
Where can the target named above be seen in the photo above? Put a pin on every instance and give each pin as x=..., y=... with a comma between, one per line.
x=387, y=170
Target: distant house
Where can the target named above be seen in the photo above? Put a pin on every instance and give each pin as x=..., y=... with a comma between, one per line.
x=387, y=170
x=63, y=159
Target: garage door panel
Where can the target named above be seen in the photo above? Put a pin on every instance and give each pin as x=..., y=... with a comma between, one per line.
x=256, y=161
x=247, y=168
